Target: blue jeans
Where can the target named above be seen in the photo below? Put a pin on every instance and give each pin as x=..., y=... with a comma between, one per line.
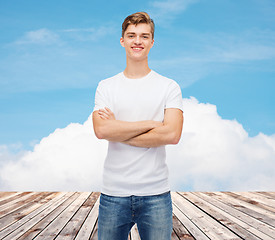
x=152, y=214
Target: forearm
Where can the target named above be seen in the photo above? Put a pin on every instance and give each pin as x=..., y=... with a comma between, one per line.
x=119, y=131
x=142, y=133
x=156, y=137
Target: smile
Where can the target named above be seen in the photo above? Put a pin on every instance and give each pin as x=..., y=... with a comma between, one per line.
x=137, y=48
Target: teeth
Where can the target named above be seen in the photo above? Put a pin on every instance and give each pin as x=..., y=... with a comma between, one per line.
x=137, y=48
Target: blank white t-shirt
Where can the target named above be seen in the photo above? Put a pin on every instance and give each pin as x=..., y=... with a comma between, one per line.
x=130, y=170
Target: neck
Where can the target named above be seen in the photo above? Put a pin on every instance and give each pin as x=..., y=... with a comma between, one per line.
x=136, y=69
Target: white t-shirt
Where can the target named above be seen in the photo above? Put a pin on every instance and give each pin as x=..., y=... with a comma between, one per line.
x=130, y=170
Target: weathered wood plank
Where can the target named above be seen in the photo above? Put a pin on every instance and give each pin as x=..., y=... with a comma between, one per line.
x=17, y=229
x=45, y=221
x=28, y=205
x=253, y=225
x=134, y=233
x=8, y=195
x=12, y=197
x=192, y=228
x=212, y=228
x=15, y=203
x=180, y=230
x=88, y=228
x=220, y=216
x=94, y=235
x=256, y=206
x=196, y=215
x=73, y=226
x=254, y=197
x=250, y=209
x=60, y=222
x=269, y=195
x=174, y=236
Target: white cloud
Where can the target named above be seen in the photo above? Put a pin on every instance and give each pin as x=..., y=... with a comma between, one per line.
x=41, y=36
x=213, y=154
x=68, y=159
x=10, y=153
x=218, y=154
x=46, y=37
x=165, y=11
x=89, y=34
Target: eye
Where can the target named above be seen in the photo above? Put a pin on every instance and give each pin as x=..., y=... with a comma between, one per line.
x=146, y=36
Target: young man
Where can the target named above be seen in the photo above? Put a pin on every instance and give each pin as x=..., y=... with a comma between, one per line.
x=139, y=112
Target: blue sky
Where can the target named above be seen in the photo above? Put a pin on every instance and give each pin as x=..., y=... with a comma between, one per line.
x=53, y=54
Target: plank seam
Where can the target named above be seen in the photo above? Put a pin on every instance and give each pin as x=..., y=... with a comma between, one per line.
x=212, y=217
x=85, y=217
x=190, y=221
x=55, y=216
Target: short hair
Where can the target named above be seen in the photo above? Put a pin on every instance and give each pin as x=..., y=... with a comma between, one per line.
x=136, y=18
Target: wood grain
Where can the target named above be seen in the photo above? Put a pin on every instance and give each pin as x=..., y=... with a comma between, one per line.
x=196, y=215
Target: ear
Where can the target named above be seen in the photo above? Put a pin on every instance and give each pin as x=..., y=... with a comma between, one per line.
x=152, y=43
x=122, y=41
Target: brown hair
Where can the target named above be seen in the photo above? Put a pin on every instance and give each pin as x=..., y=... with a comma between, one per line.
x=136, y=18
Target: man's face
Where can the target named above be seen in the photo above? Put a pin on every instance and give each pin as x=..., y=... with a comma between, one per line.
x=137, y=41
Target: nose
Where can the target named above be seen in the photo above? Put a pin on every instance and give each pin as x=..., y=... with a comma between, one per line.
x=137, y=40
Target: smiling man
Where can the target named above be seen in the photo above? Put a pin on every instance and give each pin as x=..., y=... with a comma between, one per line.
x=139, y=112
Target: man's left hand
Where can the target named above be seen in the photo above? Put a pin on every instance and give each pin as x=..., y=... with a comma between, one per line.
x=106, y=114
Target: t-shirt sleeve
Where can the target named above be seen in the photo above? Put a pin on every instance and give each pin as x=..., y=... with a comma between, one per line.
x=174, y=96
x=101, y=97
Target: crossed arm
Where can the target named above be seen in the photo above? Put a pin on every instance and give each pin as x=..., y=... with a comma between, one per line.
x=141, y=133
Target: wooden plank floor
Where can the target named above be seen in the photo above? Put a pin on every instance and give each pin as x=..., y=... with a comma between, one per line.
x=196, y=215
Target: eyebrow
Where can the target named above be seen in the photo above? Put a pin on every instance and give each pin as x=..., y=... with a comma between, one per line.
x=129, y=33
